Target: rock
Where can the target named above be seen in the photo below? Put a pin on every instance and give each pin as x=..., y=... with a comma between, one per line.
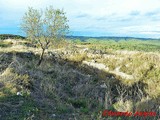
x=100, y=66
x=103, y=85
x=53, y=115
x=19, y=93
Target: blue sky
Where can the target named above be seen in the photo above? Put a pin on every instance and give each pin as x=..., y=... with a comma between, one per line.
x=136, y=18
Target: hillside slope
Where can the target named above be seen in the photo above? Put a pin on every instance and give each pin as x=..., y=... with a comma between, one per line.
x=77, y=83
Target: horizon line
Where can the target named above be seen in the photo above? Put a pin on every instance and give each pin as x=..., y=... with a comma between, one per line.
x=90, y=36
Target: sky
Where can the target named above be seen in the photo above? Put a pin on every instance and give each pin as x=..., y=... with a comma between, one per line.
x=123, y=18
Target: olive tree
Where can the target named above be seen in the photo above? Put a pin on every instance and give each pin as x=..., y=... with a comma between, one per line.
x=44, y=27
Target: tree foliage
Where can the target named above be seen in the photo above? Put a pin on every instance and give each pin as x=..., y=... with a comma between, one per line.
x=45, y=27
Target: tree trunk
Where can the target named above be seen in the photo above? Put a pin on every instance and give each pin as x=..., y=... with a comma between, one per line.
x=41, y=57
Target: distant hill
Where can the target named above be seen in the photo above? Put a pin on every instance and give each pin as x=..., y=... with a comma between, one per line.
x=10, y=36
x=84, y=38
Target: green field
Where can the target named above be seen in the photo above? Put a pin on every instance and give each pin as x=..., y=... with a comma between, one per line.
x=129, y=44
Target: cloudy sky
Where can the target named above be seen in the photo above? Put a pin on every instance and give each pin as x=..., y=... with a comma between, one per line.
x=136, y=18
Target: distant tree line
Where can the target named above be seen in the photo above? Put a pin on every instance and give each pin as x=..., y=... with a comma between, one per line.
x=10, y=36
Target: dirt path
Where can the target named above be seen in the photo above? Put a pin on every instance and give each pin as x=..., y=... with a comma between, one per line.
x=101, y=66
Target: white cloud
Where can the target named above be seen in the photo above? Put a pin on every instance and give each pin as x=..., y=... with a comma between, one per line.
x=113, y=16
